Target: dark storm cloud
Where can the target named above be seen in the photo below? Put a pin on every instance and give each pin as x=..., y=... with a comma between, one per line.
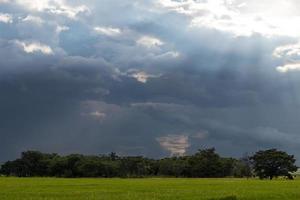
x=136, y=78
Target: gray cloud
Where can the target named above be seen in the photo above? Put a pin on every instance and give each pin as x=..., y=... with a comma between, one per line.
x=136, y=78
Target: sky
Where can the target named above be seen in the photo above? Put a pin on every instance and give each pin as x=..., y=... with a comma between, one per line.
x=154, y=77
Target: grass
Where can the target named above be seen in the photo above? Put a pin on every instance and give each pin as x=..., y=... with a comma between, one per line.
x=147, y=189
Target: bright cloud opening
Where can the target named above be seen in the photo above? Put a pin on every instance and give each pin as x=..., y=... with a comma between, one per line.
x=239, y=17
x=6, y=18
x=35, y=47
x=141, y=76
x=176, y=144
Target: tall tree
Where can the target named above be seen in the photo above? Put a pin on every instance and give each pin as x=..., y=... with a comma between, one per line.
x=273, y=163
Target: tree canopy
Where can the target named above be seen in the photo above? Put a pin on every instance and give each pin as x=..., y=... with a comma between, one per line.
x=205, y=163
x=273, y=163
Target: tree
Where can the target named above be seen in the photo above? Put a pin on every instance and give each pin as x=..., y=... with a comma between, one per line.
x=175, y=167
x=90, y=166
x=36, y=162
x=206, y=163
x=243, y=167
x=31, y=163
x=273, y=163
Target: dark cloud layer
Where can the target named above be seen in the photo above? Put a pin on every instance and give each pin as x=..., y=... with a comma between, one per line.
x=136, y=78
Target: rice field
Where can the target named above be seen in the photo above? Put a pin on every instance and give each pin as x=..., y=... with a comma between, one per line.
x=147, y=189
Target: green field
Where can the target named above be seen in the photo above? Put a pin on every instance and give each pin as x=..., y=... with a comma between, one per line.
x=146, y=189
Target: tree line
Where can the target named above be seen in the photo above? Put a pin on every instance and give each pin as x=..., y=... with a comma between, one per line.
x=205, y=163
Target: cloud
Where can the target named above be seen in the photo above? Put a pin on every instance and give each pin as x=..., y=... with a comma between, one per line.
x=33, y=19
x=176, y=144
x=109, y=31
x=211, y=77
x=289, y=50
x=149, y=42
x=35, y=5
x=201, y=135
x=96, y=115
x=274, y=135
x=290, y=55
x=6, y=18
x=60, y=29
x=289, y=68
x=172, y=54
x=35, y=47
x=238, y=17
x=141, y=76
x=57, y=7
